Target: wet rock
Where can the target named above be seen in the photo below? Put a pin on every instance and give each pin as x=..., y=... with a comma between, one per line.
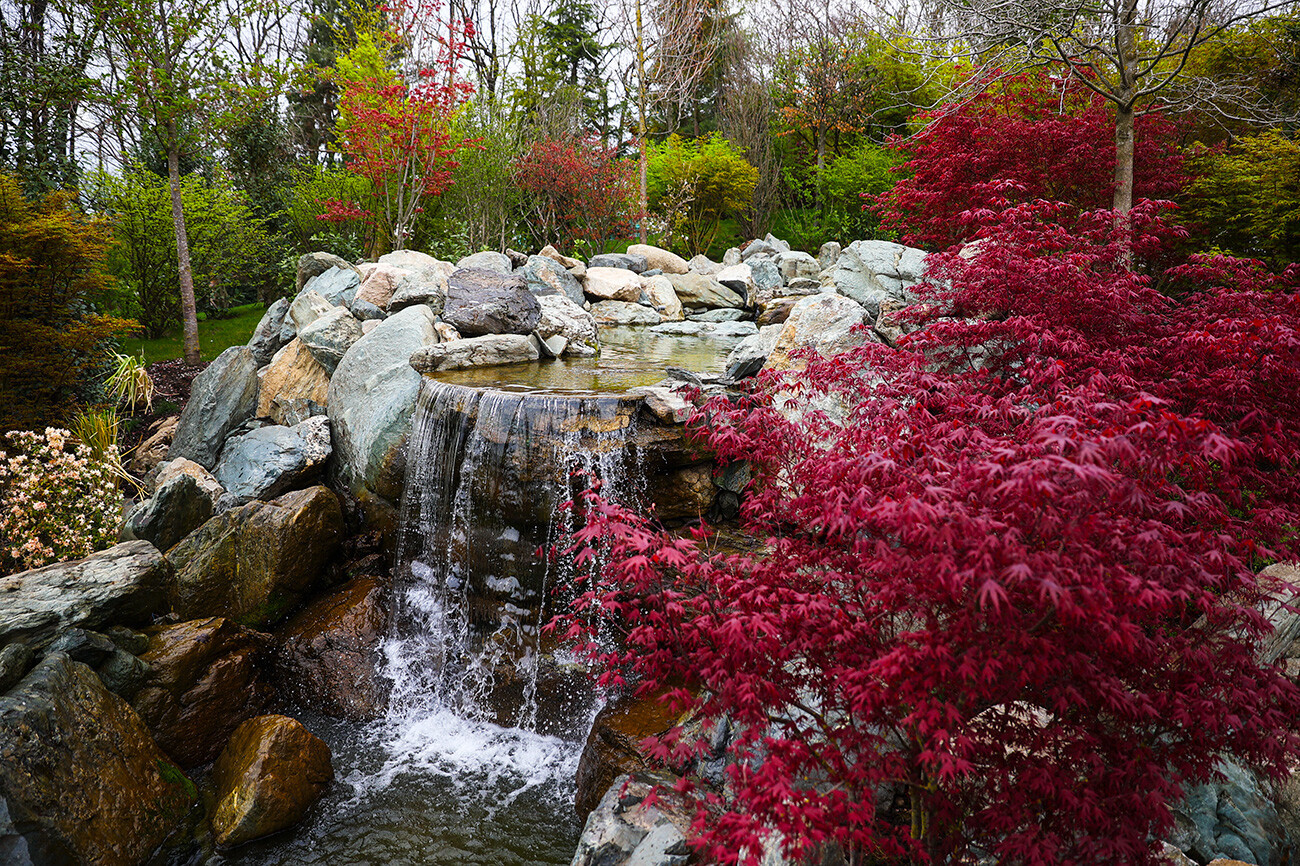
x=481, y=302
x=488, y=260
x=715, y=316
x=123, y=674
x=624, y=830
x=81, y=780
x=545, y=276
x=751, y=353
x=88, y=647
x=665, y=404
x=659, y=290
x=125, y=584
x=293, y=378
x=613, y=746
x=485, y=351
x=825, y=322
x=222, y=397
x=205, y=679
x=269, y=461
x=267, y=336
x=683, y=492
x=329, y=337
x=254, y=563
x=269, y=775
x=562, y=317
x=371, y=397
x=612, y=284
x=329, y=651
x=336, y=285
x=425, y=285
x=624, y=261
x=659, y=258
x=698, y=290
x=16, y=659
x=313, y=264
x=180, y=466
x=624, y=313
x=174, y=510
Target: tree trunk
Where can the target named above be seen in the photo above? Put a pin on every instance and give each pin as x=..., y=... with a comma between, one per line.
x=189, y=312
x=644, y=158
x=1124, y=148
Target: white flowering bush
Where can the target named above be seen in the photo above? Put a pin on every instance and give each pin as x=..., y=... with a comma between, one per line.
x=57, y=499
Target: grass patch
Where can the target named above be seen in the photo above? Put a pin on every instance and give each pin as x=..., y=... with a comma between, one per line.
x=215, y=336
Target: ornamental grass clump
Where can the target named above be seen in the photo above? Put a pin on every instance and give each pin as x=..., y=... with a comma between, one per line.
x=58, y=500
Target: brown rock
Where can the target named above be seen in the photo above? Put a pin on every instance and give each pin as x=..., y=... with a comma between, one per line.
x=327, y=652
x=153, y=450
x=206, y=681
x=293, y=375
x=81, y=781
x=614, y=745
x=269, y=775
x=254, y=563
x=378, y=286
x=686, y=491
x=775, y=312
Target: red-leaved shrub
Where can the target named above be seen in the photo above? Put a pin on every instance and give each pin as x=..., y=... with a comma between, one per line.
x=577, y=190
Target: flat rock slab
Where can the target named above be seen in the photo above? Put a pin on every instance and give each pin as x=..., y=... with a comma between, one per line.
x=124, y=585
x=485, y=351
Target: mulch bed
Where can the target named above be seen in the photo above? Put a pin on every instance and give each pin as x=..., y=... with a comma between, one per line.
x=171, y=390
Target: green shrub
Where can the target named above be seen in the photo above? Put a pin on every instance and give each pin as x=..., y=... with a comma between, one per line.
x=863, y=171
x=694, y=184
x=303, y=207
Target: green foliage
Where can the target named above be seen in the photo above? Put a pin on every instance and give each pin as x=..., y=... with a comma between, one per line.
x=303, y=201
x=230, y=251
x=864, y=170
x=694, y=184
x=129, y=384
x=1246, y=199
x=52, y=278
x=561, y=61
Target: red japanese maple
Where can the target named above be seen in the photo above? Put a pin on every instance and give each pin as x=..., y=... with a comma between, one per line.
x=578, y=191
x=1031, y=137
x=1007, y=604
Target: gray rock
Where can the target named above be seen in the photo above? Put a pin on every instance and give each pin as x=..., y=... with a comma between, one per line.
x=273, y=460
x=732, y=330
x=485, y=351
x=545, y=276
x=802, y=286
x=487, y=260
x=702, y=264
x=624, y=313
x=757, y=248
x=483, y=302
x=317, y=263
x=826, y=322
x=123, y=674
x=1231, y=819
x=779, y=245
x=665, y=404
x=562, y=317
x=727, y=315
x=623, y=829
x=731, y=257
x=664, y=845
x=749, y=355
x=727, y=330
x=553, y=347
x=658, y=258
x=336, y=285
x=307, y=308
x=88, y=647
x=269, y=335
x=653, y=272
x=366, y=311
x=698, y=290
x=329, y=337
x=767, y=278
x=371, y=397
x=635, y=263
x=221, y=398
x=797, y=263
x=829, y=254
x=738, y=278
x=126, y=584
x=517, y=259
x=425, y=285
x=177, y=507
x=16, y=659
x=871, y=271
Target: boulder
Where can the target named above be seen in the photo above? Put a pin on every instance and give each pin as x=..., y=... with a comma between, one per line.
x=768, y=282
x=180, y=466
x=487, y=260
x=153, y=450
x=871, y=271
x=445, y=332
x=727, y=330
x=517, y=259
x=567, y=262
x=797, y=263
x=661, y=294
x=317, y=263
x=749, y=355
x=1230, y=819
x=222, y=397
x=328, y=652
x=612, y=284
x=624, y=313
x=758, y=248
x=779, y=245
x=827, y=323
x=293, y=379
x=16, y=659
x=626, y=830
x=267, y=336
x=81, y=780
x=545, y=276
x=562, y=317
x=307, y=308
x=665, y=404
x=270, y=773
x=623, y=261
x=702, y=264
x=829, y=254
x=378, y=286
x=483, y=302
x=269, y=461
x=336, y=285
x=205, y=679
x=426, y=285
x=254, y=563
x=410, y=260
x=485, y=351
x=730, y=314
x=174, y=510
x=739, y=278
x=126, y=584
x=660, y=259
x=329, y=337
x=731, y=257
x=371, y=398
x=700, y=291
x=776, y=311
x=364, y=311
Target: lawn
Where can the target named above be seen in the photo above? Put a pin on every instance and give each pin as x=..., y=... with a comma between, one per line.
x=215, y=336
